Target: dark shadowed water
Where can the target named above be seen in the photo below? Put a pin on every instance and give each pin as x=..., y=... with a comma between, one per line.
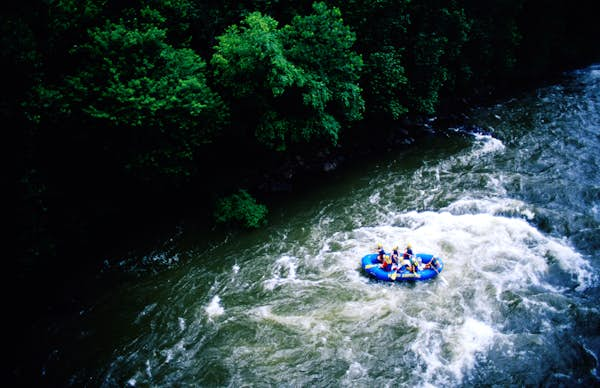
x=514, y=211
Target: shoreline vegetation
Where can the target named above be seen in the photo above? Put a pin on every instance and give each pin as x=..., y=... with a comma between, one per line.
x=126, y=115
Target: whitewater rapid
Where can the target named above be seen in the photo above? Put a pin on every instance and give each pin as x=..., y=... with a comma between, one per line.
x=511, y=208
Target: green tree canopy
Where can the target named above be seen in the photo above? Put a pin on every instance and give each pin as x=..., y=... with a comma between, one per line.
x=149, y=98
x=302, y=78
x=381, y=27
x=437, y=34
x=241, y=208
x=386, y=82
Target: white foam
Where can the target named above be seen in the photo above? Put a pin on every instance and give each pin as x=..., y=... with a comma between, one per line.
x=147, y=310
x=593, y=371
x=355, y=371
x=303, y=323
x=384, y=302
x=594, y=74
x=489, y=240
x=502, y=248
x=169, y=356
x=214, y=308
x=471, y=338
x=148, y=369
x=499, y=253
x=572, y=262
x=496, y=206
x=373, y=199
x=283, y=271
x=451, y=353
x=487, y=144
x=530, y=215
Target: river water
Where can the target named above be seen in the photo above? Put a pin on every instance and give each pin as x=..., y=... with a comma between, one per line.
x=514, y=210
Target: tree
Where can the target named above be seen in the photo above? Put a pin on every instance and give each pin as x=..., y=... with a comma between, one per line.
x=321, y=45
x=301, y=80
x=381, y=27
x=437, y=35
x=386, y=82
x=491, y=51
x=241, y=208
x=149, y=99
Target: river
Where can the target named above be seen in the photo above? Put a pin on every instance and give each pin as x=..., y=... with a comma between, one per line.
x=513, y=208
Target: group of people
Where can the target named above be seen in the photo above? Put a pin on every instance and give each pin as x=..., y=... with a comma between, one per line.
x=394, y=262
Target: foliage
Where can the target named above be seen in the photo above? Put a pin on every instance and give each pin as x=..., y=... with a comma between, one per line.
x=321, y=45
x=241, y=208
x=491, y=49
x=249, y=58
x=437, y=35
x=158, y=90
x=303, y=78
x=386, y=82
x=381, y=28
x=151, y=100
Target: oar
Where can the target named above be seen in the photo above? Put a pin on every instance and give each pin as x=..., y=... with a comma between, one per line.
x=438, y=272
x=368, y=266
x=440, y=275
x=444, y=280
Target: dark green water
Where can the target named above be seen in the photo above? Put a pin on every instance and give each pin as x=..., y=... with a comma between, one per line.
x=515, y=214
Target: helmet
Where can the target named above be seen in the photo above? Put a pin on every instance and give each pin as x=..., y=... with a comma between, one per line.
x=408, y=245
x=379, y=245
x=395, y=247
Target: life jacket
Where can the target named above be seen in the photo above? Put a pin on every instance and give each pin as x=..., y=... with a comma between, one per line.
x=387, y=261
x=395, y=256
x=408, y=255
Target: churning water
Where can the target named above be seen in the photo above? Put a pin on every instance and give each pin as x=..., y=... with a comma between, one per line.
x=514, y=211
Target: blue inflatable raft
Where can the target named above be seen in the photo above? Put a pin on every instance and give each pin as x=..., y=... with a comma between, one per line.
x=371, y=266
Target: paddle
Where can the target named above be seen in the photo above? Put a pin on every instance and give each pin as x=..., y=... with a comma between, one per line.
x=444, y=280
x=438, y=272
x=386, y=260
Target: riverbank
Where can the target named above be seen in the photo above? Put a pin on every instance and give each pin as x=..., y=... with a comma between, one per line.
x=118, y=218
x=99, y=160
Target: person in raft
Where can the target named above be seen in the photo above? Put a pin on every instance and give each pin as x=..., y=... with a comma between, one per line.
x=395, y=256
x=387, y=263
x=409, y=260
x=433, y=263
x=384, y=258
x=380, y=253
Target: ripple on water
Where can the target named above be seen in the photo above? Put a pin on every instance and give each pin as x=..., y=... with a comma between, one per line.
x=511, y=306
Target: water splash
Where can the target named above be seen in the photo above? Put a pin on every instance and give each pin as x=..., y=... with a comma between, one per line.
x=214, y=308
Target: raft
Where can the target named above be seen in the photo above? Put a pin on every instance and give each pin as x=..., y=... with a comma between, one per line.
x=371, y=266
